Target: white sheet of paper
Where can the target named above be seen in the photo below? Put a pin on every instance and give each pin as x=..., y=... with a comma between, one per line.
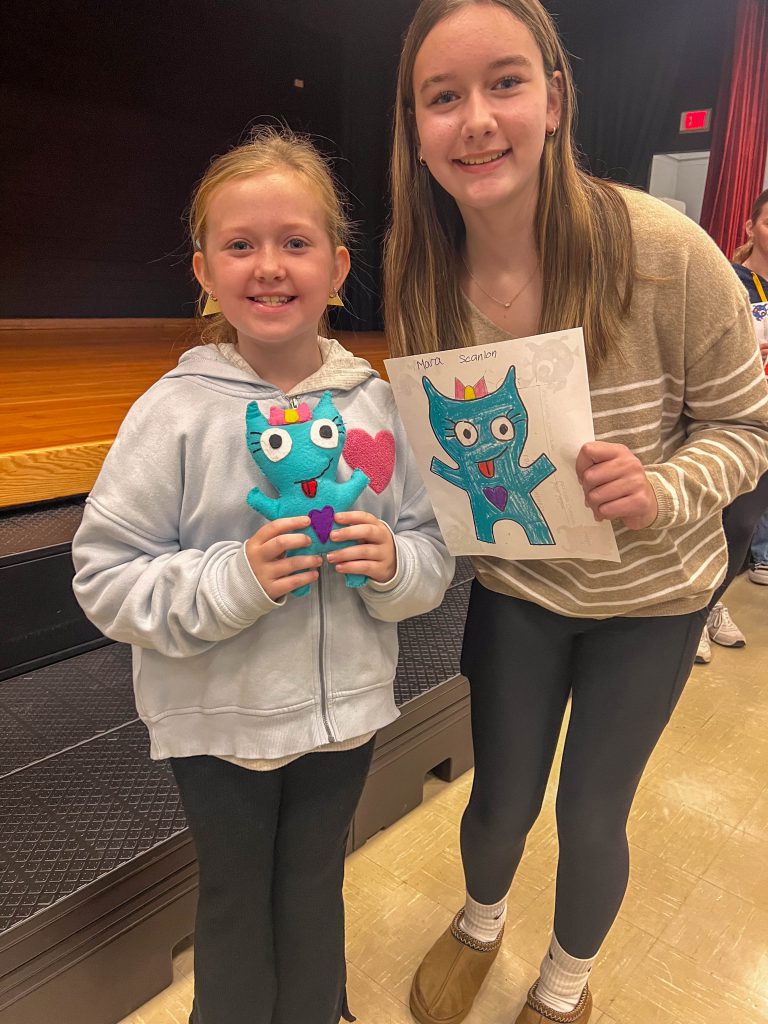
x=500, y=468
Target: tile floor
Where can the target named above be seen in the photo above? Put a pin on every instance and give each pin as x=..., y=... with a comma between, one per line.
x=690, y=945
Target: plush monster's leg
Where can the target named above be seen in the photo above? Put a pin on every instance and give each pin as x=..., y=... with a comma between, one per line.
x=354, y=580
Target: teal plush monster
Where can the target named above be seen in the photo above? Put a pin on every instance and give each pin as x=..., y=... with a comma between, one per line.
x=298, y=451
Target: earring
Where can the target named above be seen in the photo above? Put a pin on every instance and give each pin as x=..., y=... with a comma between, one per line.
x=334, y=299
x=553, y=133
x=422, y=161
x=211, y=305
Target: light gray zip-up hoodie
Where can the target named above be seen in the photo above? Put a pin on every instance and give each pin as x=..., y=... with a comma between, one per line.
x=219, y=668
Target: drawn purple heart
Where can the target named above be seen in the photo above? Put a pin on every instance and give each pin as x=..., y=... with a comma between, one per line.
x=322, y=522
x=497, y=496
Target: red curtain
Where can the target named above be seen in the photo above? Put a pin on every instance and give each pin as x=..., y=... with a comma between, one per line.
x=740, y=131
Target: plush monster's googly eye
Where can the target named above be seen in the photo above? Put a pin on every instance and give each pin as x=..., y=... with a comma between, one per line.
x=276, y=444
x=466, y=433
x=502, y=428
x=324, y=433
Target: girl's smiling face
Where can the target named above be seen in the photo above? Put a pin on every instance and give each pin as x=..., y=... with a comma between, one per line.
x=483, y=104
x=268, y=259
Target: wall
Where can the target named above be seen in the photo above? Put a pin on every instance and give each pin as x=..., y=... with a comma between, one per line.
x=680, y=176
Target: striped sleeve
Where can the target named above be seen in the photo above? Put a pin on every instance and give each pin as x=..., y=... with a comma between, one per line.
x=726, y=448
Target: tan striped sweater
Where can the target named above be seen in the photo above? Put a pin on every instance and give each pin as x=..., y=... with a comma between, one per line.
x=688, y=395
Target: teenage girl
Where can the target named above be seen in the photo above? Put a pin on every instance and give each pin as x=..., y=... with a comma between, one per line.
x=496, y=233
x=265, y=702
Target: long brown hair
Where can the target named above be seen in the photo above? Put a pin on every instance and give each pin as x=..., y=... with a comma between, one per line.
x=267, y=149
x=743, y=253
x=582, y=226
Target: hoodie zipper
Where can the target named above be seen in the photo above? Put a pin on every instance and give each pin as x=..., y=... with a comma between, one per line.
x=294, y=403
x=321, y=664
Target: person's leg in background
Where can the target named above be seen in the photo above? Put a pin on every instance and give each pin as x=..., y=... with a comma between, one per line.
x=758, y=573
x=739, y=522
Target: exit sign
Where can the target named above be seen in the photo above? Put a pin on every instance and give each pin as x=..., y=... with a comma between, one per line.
x=695, y=120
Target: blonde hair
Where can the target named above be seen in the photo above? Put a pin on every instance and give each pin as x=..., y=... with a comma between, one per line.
x=582, y=227
x=267, y=149
x=743, y=253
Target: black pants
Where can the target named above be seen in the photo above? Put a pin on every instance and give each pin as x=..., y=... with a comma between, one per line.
x=269, y=936
x=739, y=521
x=624, y=676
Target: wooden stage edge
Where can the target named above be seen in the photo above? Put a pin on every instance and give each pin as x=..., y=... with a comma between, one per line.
x=69, y=383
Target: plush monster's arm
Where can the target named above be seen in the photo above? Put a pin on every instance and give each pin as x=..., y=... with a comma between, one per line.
x=538, y=471
x=263, y=504
x=349, y=491
x=452, y=476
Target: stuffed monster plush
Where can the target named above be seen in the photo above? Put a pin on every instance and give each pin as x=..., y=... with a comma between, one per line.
x=298, y=451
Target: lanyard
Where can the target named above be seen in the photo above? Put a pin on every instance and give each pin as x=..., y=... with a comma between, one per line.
x=759, y=286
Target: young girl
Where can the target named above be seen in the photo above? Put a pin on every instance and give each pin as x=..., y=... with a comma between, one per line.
x=265, y=702
x=497, y=234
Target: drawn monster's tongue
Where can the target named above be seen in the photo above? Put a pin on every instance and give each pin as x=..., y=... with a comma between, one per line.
x=309, y=487
x=486, y=468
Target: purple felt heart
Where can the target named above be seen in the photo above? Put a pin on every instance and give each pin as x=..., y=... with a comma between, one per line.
x=322, y=522
x=497, y=496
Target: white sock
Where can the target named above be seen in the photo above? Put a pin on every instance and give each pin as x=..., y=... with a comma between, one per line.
x=562, y=978
x=484, y=921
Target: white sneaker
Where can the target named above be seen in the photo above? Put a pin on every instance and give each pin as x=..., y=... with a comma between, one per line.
x=703, y=651
x=722, y=629
x=759, y=573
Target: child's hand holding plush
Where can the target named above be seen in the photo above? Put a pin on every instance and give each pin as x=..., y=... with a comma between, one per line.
x=374, y=554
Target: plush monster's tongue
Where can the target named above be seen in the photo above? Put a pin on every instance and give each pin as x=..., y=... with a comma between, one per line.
x=309, y=487
x=486, y=468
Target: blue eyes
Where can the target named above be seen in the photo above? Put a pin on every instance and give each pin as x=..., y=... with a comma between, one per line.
x=293, y=244
x=504, y=84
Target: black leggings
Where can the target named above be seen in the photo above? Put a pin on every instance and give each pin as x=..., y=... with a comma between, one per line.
x=739, y=521
x=624, y=676
x=269, y=936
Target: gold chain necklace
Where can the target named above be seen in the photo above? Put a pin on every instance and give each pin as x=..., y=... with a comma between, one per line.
x=499, y=302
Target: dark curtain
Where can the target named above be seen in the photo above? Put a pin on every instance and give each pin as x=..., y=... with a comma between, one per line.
x=644, y=63
x=740, y=134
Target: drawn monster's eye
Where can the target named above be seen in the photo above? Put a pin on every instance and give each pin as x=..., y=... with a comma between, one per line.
x=502, y=428
x=466, y=433
x=324, y=433
x=276, y=444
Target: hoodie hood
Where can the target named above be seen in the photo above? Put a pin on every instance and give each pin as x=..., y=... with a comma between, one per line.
x=341, y=370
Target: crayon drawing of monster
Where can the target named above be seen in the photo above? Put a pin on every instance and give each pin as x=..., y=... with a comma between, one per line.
x=298, y=451
x=485, y=435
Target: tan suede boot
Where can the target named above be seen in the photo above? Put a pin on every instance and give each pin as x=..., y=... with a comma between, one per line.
x=450, y=975
x=535, y=1012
